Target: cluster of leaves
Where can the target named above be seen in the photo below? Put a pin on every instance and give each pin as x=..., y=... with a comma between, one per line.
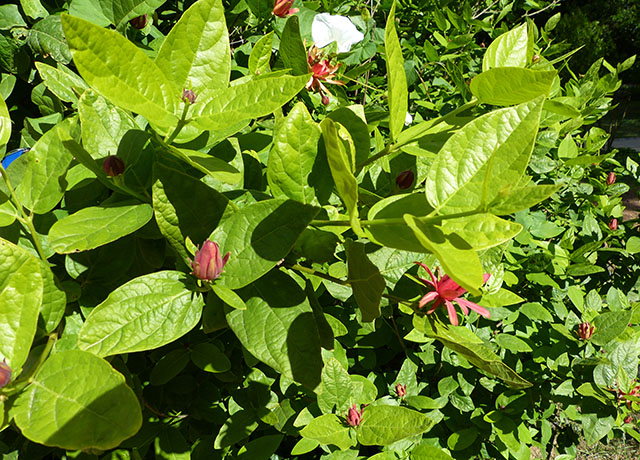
x=116, y=350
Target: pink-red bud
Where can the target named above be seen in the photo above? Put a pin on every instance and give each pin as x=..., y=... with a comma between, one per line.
x=628, y=419
x=139, y=22
x=188, y=96
x=405, y=179
x=354, y=416
x=613, y=225
x=113, y=166
x=282, y=8
x=208, y=263
x=585, y=330
x=611, y=178
x=5, y=373
x=325, y=99
x=401, y=390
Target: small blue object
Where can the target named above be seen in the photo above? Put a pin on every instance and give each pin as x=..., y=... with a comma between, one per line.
x=12, y=156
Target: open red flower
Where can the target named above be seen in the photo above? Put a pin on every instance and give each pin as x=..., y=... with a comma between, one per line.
x=446, y=291
x=322, y=71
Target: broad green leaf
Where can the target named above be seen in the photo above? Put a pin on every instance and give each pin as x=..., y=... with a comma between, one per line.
x=210, y=165
x=10, y=17
x=568, y=148
x=396, y=78
x=256, y=98
x=261, y=55
x=209, y=358
x=376, y=429
x=304, y=446
x=261, y=448
x=278, y=327
x=5, y=124
x=64, y=84
x=103, y=124
x=595, y=427
x=195, y=54
x=512, y=343
x=236, y=428
x=120, y=12
x=258, y=237
x=171, y=445
x=90, y=408
x=185, y=207
x=511, y=85
x=460, y=440
x=341, y=171
x=292, y=156
x=610, y=325
x=47, y=39
x=486, y=156
x=291, y=48
x=521, y=198
x=8, y=212
x=91, y=10
x=336, y=394
x=482, y=231
x=169, y=366
x=363, y=390
x=633, y=245
x=21, y=291
x=229, y=297
x=365, y=280
x=353, y=120
x=43, y=184
x=500, y=298
x=328, y=430
x=427, y=452
x=93, y=227
x=145, y=313
x=511, y=49
x=536, y=312
x=121, y=71
x=457, y=258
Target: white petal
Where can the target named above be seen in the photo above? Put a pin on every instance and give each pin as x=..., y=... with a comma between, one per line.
x=326, y=29
x=408, y=119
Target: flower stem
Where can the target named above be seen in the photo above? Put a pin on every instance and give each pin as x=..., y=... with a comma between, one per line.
x=181, y=124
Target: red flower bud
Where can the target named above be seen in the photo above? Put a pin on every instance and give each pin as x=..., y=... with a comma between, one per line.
x=188, y=96
x=611, y=178
x=535, y=58
x=585, y=330
x=354, y=416
x=628, y=419
x=613, y=225
x=404, y=180
x=282, y=8
x=325, y=99
x=207, y=264
x=113, y=166
x=5, y=373
x=401, y=390
x=139, y=22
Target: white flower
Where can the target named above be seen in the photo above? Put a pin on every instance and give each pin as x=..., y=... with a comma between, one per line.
x=408, y=119
x=326, y=29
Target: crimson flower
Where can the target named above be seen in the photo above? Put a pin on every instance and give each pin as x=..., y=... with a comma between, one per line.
x=354, y=416
x=282, y=8
x=585, y=330
x=208, y=263
x=322, y=71
x=446, y=291
x=401, y=390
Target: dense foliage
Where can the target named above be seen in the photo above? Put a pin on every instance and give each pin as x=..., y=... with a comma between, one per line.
x=220, y=241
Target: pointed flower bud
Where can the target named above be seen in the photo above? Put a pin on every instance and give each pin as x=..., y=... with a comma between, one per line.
x=354, y=416
x=613, y=225
x=188, y=96
x=5, y=373
x=401, y=390
x=325, y=99
x=113, y=166
x=585, y=330
x=139, y=22
x=282, y=8
x=611, y=178
x=404, y=180
x=207, y=264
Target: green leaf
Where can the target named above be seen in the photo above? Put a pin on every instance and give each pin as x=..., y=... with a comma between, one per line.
x=34, y=9
x=103, y=124
x=460, y=440
x=63, y=83
x=511, y=85
x=292, y=156
x=353, y=120
x=171, y=445
x=43, y=184
x=336, y=394
x=512, y=343
x=328, y=430
x=291, y=48
x=595, y=428
x=511, y=49
x=47, y=39
x=341, y=170
x=363, y=390
x=365, y=279
x=633, y=245
x=186, y=207
x=427, y=452
x=278, y=327
x=209, y=358
x=261, y=55
x=482, y=231
x=21, y=291
x=610, y=325
x=145, y=313
x=229, y=297
x=261, y=448
x=120, y=12
x=237, y=427
x=121, y=71
x=258, y=237
x=568, y=148
x=10, y=17
x=195, y=54
x=254, y=99
x=521, y=198
x=375, y=429
x=396, y=78
x=90, y=408
x=169, y=366
x=93, y=227
x=5, y=123
x=486, y=156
